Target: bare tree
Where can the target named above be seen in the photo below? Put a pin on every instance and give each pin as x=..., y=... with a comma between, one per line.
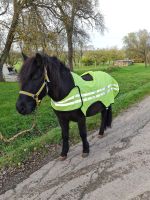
x=18, y=6
x=138, y=43
x=56, y=16
x=74, y=15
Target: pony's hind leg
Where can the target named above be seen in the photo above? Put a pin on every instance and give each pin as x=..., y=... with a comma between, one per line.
x=106, y=120
x=103, y=123
x=83, y=135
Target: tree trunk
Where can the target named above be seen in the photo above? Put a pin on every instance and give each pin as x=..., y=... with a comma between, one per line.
x=70, y=50
x=145, y=60
x=1, y=73
x=9, y=41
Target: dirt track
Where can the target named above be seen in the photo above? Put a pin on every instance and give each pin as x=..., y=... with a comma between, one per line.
x=117, y=168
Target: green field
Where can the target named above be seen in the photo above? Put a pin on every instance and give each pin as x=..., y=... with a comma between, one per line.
x=134, y=82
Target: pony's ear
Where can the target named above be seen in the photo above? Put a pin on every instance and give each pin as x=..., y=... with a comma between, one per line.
x=39, y=59
x=24, y=56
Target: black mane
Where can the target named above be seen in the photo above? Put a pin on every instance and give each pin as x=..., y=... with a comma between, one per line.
x=60, y=77
x=55, y=62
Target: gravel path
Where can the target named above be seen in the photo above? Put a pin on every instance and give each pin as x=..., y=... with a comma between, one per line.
x=118, y=167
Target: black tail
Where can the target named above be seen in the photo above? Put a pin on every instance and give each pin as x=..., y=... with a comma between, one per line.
x=108, y=119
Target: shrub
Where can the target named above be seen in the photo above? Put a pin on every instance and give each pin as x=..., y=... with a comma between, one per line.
x=87, y=61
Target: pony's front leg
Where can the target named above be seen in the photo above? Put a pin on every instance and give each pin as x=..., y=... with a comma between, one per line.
x=83, y=134
x=65, y=137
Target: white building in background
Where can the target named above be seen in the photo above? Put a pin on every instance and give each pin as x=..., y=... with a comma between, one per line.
x=9, y=74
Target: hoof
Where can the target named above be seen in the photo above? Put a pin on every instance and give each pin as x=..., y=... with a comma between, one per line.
x=62, y=158
x=84, y=155
x=100, y=136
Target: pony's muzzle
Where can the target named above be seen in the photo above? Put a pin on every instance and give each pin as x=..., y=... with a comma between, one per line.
x=25, y=107
x=21, y=108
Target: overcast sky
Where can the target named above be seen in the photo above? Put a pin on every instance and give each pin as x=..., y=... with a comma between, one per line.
x=121, y=17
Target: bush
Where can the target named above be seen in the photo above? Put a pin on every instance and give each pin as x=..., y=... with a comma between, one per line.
x=87, y=61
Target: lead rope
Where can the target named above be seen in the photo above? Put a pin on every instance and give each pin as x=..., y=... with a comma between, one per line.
x=8, y=140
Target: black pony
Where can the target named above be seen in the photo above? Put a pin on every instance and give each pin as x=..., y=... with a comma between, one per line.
x=42, y=75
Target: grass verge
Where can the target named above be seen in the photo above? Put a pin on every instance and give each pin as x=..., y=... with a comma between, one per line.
x=134, y=84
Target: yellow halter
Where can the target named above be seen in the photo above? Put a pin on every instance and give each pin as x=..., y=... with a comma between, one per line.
x=35, y=96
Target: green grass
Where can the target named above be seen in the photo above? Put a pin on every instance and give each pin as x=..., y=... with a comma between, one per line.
x=134, y=82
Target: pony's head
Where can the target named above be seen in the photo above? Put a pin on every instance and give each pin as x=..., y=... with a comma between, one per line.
x=32, y=83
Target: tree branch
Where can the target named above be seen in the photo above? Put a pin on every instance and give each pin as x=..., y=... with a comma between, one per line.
x=2, y=13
